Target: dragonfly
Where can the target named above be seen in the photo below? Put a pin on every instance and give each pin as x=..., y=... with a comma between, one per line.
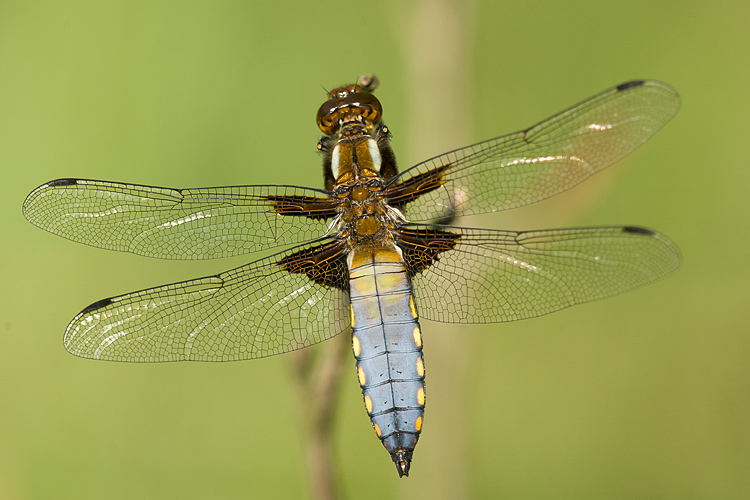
x=371, y=253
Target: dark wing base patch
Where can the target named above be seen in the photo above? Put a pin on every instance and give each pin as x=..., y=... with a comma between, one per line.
x=303, y=206
x=324, y=264
x=411, y=189
x=422, y=247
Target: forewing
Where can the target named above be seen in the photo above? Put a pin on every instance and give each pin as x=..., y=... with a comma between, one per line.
x=542, y=161
x=487, y=276
x=253, y=311
x=167, y=223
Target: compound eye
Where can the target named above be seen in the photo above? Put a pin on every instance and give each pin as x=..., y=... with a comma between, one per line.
x=328, y=115
x=368, y=106
x=335, y=109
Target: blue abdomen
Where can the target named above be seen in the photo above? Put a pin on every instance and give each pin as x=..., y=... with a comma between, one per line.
x=387, y=343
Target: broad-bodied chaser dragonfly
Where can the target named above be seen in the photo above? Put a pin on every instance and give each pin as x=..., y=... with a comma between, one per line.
x=375, y=251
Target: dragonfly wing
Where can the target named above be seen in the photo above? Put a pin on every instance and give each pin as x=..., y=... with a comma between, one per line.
x=260, y=309
x=167, y=223
x=539, y=162
x=485, y=276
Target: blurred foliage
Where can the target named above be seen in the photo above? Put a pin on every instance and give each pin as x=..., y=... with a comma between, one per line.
x=642, y=396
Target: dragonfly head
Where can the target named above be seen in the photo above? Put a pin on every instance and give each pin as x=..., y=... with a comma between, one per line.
x=354, y=102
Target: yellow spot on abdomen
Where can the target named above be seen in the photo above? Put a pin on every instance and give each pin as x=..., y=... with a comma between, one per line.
x=417, y=424
x=361, y=376
x=351, y=310
x=356, y=347
x=420, y=367
x=417, y=336
x=412, y=307
x=420, y=396
x=368, y=404
x=377, y=429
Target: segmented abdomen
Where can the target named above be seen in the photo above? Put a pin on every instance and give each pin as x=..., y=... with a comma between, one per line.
x=387, y=343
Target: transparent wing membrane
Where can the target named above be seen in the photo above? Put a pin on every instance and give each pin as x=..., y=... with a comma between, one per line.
x=253, y=311
x=166, y=223
x=544, y=160
x=495, y=276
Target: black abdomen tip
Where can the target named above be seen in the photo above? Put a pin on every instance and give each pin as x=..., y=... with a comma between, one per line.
x=402, y=459
x=630, y=85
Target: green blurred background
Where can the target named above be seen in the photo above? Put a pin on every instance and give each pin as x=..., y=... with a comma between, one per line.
x=646, y=395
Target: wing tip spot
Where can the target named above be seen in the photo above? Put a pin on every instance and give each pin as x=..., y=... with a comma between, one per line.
x=96, y=306
x=62, y=182
x=638, y=230
x=630, y=85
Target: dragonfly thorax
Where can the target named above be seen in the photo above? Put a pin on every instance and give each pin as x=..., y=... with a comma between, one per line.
x=360, y=155
x=364, y=214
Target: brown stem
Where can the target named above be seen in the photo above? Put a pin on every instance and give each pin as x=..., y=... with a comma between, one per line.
x=317, y=373
x=437, y=43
